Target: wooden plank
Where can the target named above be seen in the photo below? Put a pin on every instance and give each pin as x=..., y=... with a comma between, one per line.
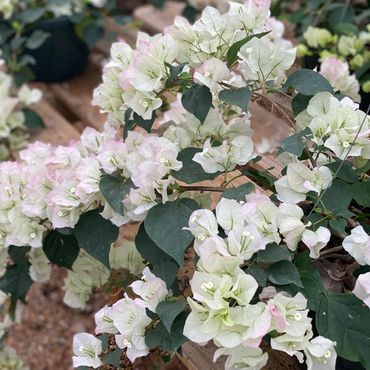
x=156, y=20
x=58, y=130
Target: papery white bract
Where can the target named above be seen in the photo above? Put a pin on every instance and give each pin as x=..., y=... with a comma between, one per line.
x=87, y=349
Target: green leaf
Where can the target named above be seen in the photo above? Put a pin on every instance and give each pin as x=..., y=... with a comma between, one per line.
x=31, y=15
x=148, y=249
x=168, y=311
x=174, y=72
x=259, y=274
x=232, y=53
x=239, y=97
x=339, y=225
x=345, y=319
x=307, y=82
x=295, y=144
x=338, y=197
x=36, y=39
x=159, y=336
x=361, y=193
x=300, y=103
x=164, y=225
x=190, y=13
x=166, y=270
x=283, y=273
x=114, y=191
x=32, y=119
x=19, y=256
x=96, y=234
x=113, y=358
x=60, y=249
x=273, y=253
x=16, y=282
x=238, y=193
x=191, y=171
x=198, y=101
x=345, y=173
x=146, y=124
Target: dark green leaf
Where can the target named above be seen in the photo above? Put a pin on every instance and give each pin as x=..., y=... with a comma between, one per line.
x=361, y=193
x=345, y=173
x=239, y=97
x=60, y=249
x=19, y=256
x=295, y=144
x=190, y=13
x=198, y=101
x=32, y=119
x=166, y=270
x=273, y=253
x=16, y=282
x=307, y=82
x=168, y=311
x=238, y=193
x=345, y=319
x=146, y=124
x=148, y=249
x=338, y=197
x=339, y=225
x=96, y=234
x=283, y=273
x=174, y=72
x=31, y=15
x=232, y=53
x=113, y=358
x=36, y=39
x=259, y=274
x=191, y=171
x=114, y=190
x=300, y=103
x=164, y=225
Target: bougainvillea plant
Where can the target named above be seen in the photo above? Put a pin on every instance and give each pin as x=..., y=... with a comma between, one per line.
x=335, y=37
x=21, y=34
x=277, y=262
x=16, y=115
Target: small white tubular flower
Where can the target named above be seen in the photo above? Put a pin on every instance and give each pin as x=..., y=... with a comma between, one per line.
x=316, y=240
x=246, y=241
x=210, y=289
x=362, y=288
x=104, y=321
x=320, y=354
x=242, y=358
x=87, y=349
x=151, y=289
x=203, y=224
x=230, y=214
x=211, y=73
x=358, y=245
x=131, y=321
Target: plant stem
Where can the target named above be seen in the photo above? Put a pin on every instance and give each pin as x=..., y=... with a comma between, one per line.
x=203, y=188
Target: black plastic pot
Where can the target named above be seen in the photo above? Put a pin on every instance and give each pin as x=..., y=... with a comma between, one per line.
x=62, y=56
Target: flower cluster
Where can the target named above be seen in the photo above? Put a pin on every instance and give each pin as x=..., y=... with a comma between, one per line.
x=337, y=125
x=126, y=319
x=339, y=54
x=136, y=79
x=223, y=307
x=13, y=130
